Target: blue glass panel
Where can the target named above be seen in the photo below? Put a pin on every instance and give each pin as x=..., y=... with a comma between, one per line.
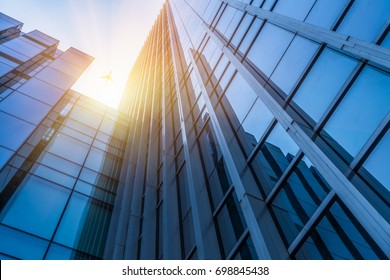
x=21, y=245
x=294, y=61
x=41, y=91
x=269, y=47
x=94, y=192
x=84, y=225
x=5, y=155
x=4, y=69
x=26, y=210
x=250, y=35
x=60, y=164
x=75, y=134
x=103, y=162
x=68, y=148
x=298, y=199
x=56, y=78
x=257, y=120
x=53, y=175
x=274, y=157
x=240, y=96
x=386, y=42
x=361, y=110
x=57, y=252
x=338, y=236
x=297, y=9
x=378, y=162
x=323, y=83
x=231, y=223
x=268, y=4
x=242, y=30
x=80, y=127
x=85, y=116
x=226, y=18
x=25, y=108
x=365, y=19
x=13, y=131
x=326, y=12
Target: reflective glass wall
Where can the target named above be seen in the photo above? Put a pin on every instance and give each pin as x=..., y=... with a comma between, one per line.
x=272, y=123
x=58, y=190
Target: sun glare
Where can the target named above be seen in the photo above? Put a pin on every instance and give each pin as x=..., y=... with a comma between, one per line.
x=102, y=83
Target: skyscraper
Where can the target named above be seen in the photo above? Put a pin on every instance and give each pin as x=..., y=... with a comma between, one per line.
x=248, y=130
x=60, y=152
x=259, y=130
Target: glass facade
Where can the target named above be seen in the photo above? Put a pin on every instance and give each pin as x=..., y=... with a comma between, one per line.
x=61, y=152
x=272, y=133
x=254, y=129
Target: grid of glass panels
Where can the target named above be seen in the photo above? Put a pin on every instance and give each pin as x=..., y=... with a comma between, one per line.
x=58, y=191
x=322, y=88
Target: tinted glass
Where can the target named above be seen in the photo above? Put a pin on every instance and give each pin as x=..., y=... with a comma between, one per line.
x=13, y=131
x=257, y=120
x=26, y=211
x=339, y=236
x=361, y=111
x=297, y=9
x=21, y=245
x=323, y=83
x=298, y=199
x=84, y=225
x=326, y=12
x=274, y=156
x=365, y=19
x=293, y=63
x=241, y=98
x=378, y=162
x=269, y=47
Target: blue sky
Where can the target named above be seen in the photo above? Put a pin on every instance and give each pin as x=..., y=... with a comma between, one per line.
x=113, y=31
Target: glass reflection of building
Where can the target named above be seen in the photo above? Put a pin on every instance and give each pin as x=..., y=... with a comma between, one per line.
x=256, y=130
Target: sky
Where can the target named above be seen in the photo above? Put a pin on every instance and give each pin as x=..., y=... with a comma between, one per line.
x=112, y=31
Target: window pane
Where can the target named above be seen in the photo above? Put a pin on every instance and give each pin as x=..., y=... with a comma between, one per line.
x=294, y=61
x=324, y=81
x=231, y=223
x=68, y=148
x=242, y=30
x=85, y=225
x=297, y=9
x=361, y=111
x=226, y=18
x=274, y=156
x=246, y=251
x=53, y=175
x=85, y=116
x=365, y=19
x=339, y=236
x=5, y=155
x=26, y=211
x=60, y=164
x=269, y=47
x=378, y=164
x=298, y=199
x=21, y=245
x=13, y=132
x=326, y=12
x=250, y=35
x=57, y=252
x=257, y=121
x=241, y=98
